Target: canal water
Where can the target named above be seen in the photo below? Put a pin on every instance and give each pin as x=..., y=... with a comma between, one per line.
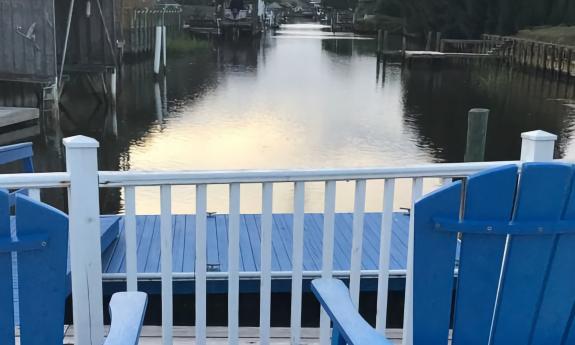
x=301, y=97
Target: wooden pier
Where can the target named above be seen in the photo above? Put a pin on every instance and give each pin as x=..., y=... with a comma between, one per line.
x=10, y=116
x=549, y=58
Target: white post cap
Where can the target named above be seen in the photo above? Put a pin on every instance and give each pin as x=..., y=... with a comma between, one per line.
x=538, y=135
x=80, y=141
x=537, y=146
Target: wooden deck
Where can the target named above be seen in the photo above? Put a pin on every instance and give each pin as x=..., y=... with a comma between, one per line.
x=148, y=238
x=152, y=335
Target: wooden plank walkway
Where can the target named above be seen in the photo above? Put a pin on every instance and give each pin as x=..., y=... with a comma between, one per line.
x=152, y=335
x=148, y=246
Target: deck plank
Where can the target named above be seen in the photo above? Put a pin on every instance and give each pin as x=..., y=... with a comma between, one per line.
x=213, y=249
x=179, y=243
x=222, y=233
x=154, y=253
x=190, y=244
x=275, y=260
x=284, y=235
x=254, y=238
x=152, y=335
x=246, y=248
x=314, y=241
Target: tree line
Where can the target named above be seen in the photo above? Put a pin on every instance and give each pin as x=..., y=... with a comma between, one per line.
x=470, y=18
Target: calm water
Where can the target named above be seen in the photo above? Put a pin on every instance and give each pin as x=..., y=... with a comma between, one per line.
x=302, y=98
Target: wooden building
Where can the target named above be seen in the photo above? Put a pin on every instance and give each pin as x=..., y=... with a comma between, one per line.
x=92, y=30
x=39, y=36
x=28, y=41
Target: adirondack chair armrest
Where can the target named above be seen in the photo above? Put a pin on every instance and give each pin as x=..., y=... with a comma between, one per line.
x=127, y=311
x=334, y=297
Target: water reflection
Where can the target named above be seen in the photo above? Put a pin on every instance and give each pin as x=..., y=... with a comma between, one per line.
x=438, y=101
x=280, y=103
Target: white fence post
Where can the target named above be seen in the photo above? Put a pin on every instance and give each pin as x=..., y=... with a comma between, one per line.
x=537, y=146
x=85, y=247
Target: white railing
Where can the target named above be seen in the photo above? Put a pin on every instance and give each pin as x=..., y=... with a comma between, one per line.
x=83, y=180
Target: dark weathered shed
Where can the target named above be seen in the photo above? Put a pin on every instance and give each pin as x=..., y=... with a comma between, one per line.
x=33, y=35
x=95, y=33
x=27, y=40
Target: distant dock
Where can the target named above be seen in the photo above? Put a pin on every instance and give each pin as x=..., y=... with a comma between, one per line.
x=433, y=55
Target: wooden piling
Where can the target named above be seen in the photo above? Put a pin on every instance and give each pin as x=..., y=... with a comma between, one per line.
x=385, y=40
x=403, y=42
x=428, y=41
x=438, y=44
x=379, y=44
x=476, y=135
x=569, y=62
x=158, y=50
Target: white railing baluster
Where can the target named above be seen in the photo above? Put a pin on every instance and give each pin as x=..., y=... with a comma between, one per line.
x=34, y=193
x=166, y=263
x=266, y=262
x=130, y=239
x=297, y=261
x=357, y=240
x=85, y=247
x=200, y=267
x=384, y=255
x=416, y=192
x=327, y=252
x=233, y=264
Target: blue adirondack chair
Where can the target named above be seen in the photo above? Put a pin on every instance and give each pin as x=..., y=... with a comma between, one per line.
x=40, y=241
x=22, y=153
x=515, y=283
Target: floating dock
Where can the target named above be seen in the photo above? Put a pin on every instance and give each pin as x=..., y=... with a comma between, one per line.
x=183, y=249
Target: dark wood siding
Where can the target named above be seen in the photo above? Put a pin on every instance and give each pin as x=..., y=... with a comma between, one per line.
x=27, y=40
x=92, y=44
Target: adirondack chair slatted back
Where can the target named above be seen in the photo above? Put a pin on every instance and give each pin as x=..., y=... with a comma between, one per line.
x=515, y=281
x=18, y=152
x=40, y=241
x=22, y=153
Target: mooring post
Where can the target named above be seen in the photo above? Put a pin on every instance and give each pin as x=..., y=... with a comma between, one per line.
x=403, y=42
x=385, y=41
x=164, y=44
x=379, y=44
x=569, y=63
x=113, y=86
x=157, y=51
x=476, y=135
x=438, y=44
x=428, y=41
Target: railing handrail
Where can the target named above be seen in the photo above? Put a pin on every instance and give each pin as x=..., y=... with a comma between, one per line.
x=156, y=178
x=35, y=180
x=108, y=179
